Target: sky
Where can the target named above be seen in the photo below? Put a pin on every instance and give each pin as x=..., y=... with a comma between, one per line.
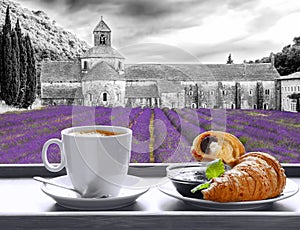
x=202, y=31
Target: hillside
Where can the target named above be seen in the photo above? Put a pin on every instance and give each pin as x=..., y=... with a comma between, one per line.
x=49, y=40
x=286, y=61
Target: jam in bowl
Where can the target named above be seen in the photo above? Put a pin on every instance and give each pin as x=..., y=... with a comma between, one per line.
x=186, y=176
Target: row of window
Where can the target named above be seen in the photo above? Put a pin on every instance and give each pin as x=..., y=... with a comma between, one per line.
x=232, y=106
x=294, y=107
x=225, y=92
x=74, y=81
x=104, y=97
x=290, y=88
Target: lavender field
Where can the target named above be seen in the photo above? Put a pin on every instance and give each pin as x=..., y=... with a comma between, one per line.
x=159, y=135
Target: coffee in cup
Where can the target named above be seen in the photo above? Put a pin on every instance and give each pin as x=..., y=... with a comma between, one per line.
x=96, y=158
x=96, y=132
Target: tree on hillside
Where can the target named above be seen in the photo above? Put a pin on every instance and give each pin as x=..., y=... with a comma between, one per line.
x=30, y=94
x=18, y=68
x=14, y=86
x=23, y=65
x=6, y=48
x=288, y=60
x=229, y=59
x=1, y=64
x=7, y=60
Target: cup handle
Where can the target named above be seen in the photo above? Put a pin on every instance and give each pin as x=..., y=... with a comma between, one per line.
x=47, y=164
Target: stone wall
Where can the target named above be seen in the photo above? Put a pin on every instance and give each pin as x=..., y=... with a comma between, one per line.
x=61, y=93
x=231, y=95
x=173, y=100
x=289, y=87
x=93, y=93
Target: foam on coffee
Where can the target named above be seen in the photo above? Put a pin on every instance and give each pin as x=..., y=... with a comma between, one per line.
x=95, y=133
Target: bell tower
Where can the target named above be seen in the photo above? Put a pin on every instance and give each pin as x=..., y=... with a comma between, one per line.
x=102, y=51
x=102, y=34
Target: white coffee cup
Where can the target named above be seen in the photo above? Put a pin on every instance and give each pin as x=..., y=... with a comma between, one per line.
x=97, y=165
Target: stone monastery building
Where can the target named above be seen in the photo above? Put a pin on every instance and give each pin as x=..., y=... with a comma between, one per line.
x=100, y=77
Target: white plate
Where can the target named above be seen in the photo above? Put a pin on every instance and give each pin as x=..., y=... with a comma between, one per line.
x=291, y=189
x=128, y=194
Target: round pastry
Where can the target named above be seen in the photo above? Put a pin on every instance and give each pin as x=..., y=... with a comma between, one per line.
x=211, y=145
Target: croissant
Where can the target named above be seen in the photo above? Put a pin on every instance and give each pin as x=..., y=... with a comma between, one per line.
x=211, y=145
x=255, y=176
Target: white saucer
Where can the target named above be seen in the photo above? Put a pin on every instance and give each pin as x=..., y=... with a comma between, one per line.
x=127, y=195
x=291, y=189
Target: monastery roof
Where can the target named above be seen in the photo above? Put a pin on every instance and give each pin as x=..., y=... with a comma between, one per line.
x=202, y=72
x=102, y=27
x=102, y=71
x=102, y=51
x=169, y=86
x=295, y=75
x=56, y=71
x=55, y=92
x=71, y=71
x=141, y=91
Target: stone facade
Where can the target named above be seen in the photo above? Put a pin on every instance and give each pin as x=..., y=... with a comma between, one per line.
x=103, y=93
x=290, y=92
x=101, y=78
x=231, y=95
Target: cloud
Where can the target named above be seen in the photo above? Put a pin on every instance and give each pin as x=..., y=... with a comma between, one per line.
x=213, y=28
x=156, y=53
x=264, y=19
x=241, y=5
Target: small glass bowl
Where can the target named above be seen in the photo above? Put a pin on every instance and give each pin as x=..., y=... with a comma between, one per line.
x=186, y=176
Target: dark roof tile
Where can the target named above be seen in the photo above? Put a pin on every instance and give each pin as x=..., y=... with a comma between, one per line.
x=102, y=27
x=170, y=86
x=102, y=52
x=59, y=92
x=201, y=72
x=60, y=71
x=102, y=71
x=141, y=91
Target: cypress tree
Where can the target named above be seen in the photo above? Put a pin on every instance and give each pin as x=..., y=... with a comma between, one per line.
x=14, y=86
x=6, y=57
x=1, y=64
x=23, y=65
x=30, y=94
x=229, y=59
x=7, y=24
x=7, y=68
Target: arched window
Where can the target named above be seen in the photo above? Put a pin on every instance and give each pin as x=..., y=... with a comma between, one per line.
x=193, y=106
x=267, y=92
x=266, y=106
x=90, y=97
x=102, y=39
x=85, y=65
x=104, y=96
x=120, y=67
